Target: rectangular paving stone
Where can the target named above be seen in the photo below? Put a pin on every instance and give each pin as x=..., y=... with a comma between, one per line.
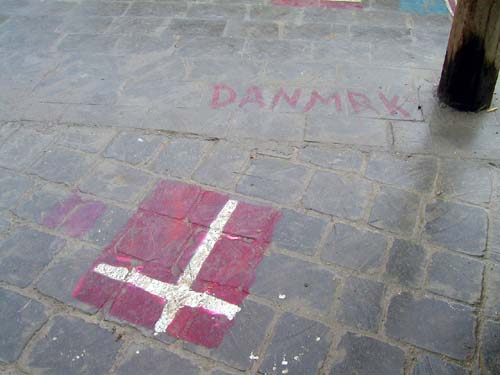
x=428, y=364
x=367, y=356
x=356, y=249
x=298, y=346
x=341, y=196
x=85, y=25
x=489, y=351
x=217, y=11
x=24, y=253
x=456, y=277
x=268, y=126
x=142, y=359
x=205, y=46
x=276, y=13
x=360, y=303
x=101, y=8
x=93, y=353
x=249, y=29
x=411, y=137
x=90, y=43
x=370, y=33
x=13, y=187
x=115, y=181
x=131, y=25
x=341, y=50
x=456, y=227
x=224, y=70
x=20, y=318
x=395, y=210
x=133, y=147
x=62, y=165
x=406, y=263
x=107, y=226
x=140, y=43
x=180, y=157
x=413, y=173
x=245, y=337
x=314, y=31
x=311, y=286
x=6, y=129
x=86, y=139
x=439, y=326
x=273, y=179
x=156, y=9
x=492, y=292
x=222, y=166
x=180, y=26
x=345, y=160
x=283, y=50
x=298, y=232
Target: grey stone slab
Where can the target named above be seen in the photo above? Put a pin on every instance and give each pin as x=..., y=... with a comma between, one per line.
x=283, y=50
x=368, y=356
x=217, y=11
x=360, y=303
x=355, y=249
x=311, y=287
x=342, y=196
x=7, y=129
x=88, y=43
x=115, y=181
x=353, y=131
x=411, y=137
x=225, y=70
x=492, y=291
x=298, y=72
x=62, y=277
x=157, y=9
x=414, y=173
x=180, y=157
x=62, y=165
x=85, y=25
x=132, y=25
x=268, y=126
x=490, y=348
x=4, y=223
x=250, y=29
x=25, y=253
x=272, y=179
x=356, y=17
x=23, y=148
x=439, y=326
x=465, y=180
x=140, y=43
x=205, y=46
x=298, y=232
x=181, y=26
x=133, y=147
x=20, y=318
x=428, y=364
x=57, y=352
x=245, y=337
x=13, y=187
x=142, y=359
x=219, y=372
x=86, y=139
x=456, y=277
x=345, y=160
x=108, y=226
x=406, y=263
x=376, y=34
x=341, y=50
x=222, y=166
x=298, y=346
x=314, y=31
x=395, y=210
x=101, y=8
x=275, y=13
x=456, y=227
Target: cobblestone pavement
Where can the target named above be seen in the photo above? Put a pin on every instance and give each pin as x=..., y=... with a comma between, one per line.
x=386, y=259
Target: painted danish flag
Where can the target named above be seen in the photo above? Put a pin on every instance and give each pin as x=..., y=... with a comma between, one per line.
x=183, y=263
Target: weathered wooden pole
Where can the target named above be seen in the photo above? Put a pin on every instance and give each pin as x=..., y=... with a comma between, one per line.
x=470, y=69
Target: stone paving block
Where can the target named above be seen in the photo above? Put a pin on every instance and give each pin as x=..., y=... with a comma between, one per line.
x=411, y=137
x=283, y=50
x=222, y=166
x=157, y=9
x=374, y=34
x=353, y=248
x=360, y=303
x=448, y=329
x=142, y=359
x=367, y=356
x=4, y=222
x=406, y=263
x=275, y=13
x=428, y=364
x=456, y=227
x=219, y=372
x=395, y=210
x=345, y=160
x=140, y=43
x=13, y=371
x=314, y=31
x=20, y=318
x=217, y=11
x=133, y=147
x=13, y=187
x=310, y=287
x=57, y=352
x=465, y=180
x=354, y=131
x=85, y=25
x=115, y=181
x=6, y=129
x=413, y=173
x=244, y=338
x=298, y=346
x=179, y=26
x=341, y=50
x=272, y=179
x=25, y=253
x=490, y=348
x=180, y=157
x=298, y=232
x=132, y=25
x=225, y=70
x=333, y=194
x=85, y=139
x=62, y=276
x=61, y=165
x=101, y=8
x=205, y=46
x=107, y=226
x=492, y=292
x=280, y=127
x=89, y=43
x=21, y=149
x=250, y=29
x=456, y=277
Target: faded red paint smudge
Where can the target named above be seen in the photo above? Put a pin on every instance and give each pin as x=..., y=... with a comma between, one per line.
x=56, y=214
x=83, y=219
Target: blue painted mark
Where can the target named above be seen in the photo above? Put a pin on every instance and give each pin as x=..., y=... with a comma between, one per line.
x=423, y=6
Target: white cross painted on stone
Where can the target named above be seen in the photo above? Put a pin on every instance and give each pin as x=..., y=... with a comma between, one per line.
x=180, y=294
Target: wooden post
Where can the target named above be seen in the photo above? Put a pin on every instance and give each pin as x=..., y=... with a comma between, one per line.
x=472, y=61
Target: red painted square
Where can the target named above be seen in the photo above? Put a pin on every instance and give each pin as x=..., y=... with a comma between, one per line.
x=158, y=252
